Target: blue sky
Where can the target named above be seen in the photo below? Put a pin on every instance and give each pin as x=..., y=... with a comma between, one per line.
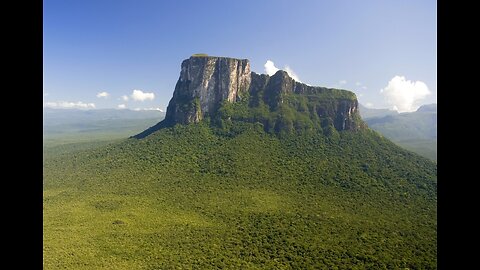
x=384, y=51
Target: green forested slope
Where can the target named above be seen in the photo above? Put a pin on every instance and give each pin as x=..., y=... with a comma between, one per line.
x=199, y=197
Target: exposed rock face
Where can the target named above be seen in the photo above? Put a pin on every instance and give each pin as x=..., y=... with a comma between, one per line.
x=204, y=83
x=345, y=111
x=207, y=82
x=342, y=111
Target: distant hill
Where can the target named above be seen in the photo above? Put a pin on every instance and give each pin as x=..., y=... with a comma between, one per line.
x=103, y=124
x=372, y=113
x=416, y=131
x=428, y=108
x=62, y=116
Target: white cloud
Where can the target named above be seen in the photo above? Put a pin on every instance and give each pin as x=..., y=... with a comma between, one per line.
x=122, y=106
x=360, y=95
x=292, y=73
x=103, y=94
x=369, y=105
x=364, y=87
x=139, y=95
x=69, y=105
x=342, y=82
x=404, y=94
x=148, y=109
x=358, y=83
x=271, y=69
x=125, y=98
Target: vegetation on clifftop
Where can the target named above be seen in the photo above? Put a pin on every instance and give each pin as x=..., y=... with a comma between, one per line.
x=295, y=113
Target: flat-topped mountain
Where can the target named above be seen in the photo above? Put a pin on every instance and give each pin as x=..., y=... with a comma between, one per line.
x=247, y=171
x=209, y=86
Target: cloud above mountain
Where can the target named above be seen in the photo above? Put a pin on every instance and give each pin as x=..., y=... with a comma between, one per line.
x=271, y=69
x=404, y=95
x=103, y=94
x=69, y=105
x=139, y=95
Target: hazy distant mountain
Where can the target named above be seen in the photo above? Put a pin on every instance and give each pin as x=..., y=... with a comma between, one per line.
x=95, y=124
x=370, y=113
x=416, y=131
x=428, y=108
x=62, y=116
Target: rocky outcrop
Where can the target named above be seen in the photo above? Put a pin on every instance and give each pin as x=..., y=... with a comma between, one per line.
x=204, y=83
x=207, y=82
x=340, y=106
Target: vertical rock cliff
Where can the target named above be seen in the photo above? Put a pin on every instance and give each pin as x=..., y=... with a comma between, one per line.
x=204, y=83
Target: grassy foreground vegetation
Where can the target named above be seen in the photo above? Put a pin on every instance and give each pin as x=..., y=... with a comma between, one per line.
x=199, y=197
